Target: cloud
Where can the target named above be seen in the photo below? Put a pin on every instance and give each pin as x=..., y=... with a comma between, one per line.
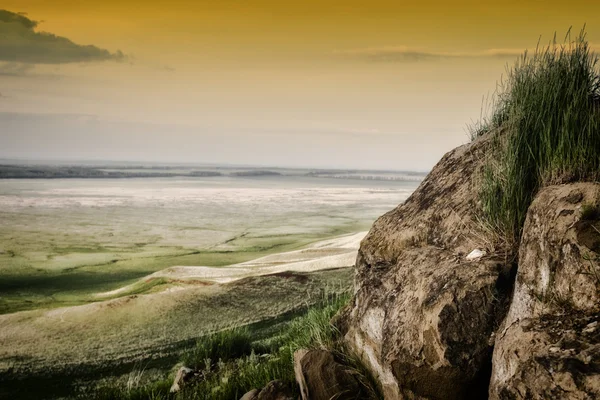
x=407, y=54
x=20, y=43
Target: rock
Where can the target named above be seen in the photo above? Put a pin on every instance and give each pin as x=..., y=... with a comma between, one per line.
x=184, y=375
x=591, y=327
x=554, y=349
x=299, y=373
x=320, y=377
x=475, y=255
x=547, y=346
x=421, y=317
x=274, y=390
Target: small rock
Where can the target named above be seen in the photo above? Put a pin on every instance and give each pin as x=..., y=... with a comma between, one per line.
x=475, y=255
x=320, y=377
x=183, y=375
x=591, y=327
x=554, y=349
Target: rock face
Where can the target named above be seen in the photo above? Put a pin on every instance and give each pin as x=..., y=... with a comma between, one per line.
x=422, y=314
x=549, y=344
x=320, y=377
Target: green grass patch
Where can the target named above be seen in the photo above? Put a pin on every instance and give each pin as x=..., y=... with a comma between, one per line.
x=219, y=347
x=547, y=123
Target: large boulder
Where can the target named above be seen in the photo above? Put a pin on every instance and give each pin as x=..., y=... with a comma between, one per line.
x=423, y=312
x=321, y=377
x=549, y=344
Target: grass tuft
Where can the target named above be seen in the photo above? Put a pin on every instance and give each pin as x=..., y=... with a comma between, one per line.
x=219, y=347
x=547, y=119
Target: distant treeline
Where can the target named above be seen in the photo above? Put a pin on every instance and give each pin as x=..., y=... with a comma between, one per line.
x=255, y=173
x=10, y=171
x=55, y=172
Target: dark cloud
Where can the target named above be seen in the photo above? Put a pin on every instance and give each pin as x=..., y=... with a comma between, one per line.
x=20, y=43
x=406, y=54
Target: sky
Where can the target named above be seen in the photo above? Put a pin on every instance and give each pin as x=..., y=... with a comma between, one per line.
x=315, y=83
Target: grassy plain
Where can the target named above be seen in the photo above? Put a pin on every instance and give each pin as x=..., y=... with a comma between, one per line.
x=65, y=243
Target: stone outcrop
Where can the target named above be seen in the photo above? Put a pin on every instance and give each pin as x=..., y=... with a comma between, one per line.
x=321, y=377
x=422, y=315
x=436, y=313
x=549, y=344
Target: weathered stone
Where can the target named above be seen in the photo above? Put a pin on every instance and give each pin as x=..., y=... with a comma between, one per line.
x=422, y=315
x=321, y=377
x=547, y=347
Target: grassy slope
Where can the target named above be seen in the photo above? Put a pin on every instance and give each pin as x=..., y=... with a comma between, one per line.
x=27, y=284
x=238, y=360
x=62, y=346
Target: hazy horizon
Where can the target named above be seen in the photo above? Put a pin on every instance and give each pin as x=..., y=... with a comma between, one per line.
x=200, y=165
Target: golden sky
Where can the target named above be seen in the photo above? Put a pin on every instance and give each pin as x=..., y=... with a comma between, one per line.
x=367, y=84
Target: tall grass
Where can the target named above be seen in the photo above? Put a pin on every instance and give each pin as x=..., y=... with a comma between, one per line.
x=547, y=117
x=219, y=347
x=315, y=329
